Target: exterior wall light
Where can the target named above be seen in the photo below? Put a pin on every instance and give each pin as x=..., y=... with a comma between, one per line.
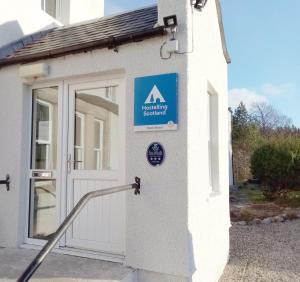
x=200, y=4
x=170, y=21
x=171, y=46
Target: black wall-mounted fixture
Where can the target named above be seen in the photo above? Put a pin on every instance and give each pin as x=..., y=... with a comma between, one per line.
x=6, y=182
x=200, y=4
x=170, y=21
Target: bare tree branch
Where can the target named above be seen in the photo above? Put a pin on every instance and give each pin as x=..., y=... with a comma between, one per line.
x=268, y=118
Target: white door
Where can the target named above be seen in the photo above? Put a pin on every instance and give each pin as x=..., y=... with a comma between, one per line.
x=95, y=161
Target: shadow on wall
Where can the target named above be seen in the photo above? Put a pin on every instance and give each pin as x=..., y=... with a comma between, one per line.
x=9, y=32
x=191, y=252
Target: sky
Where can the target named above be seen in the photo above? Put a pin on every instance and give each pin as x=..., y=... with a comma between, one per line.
x=263, y=38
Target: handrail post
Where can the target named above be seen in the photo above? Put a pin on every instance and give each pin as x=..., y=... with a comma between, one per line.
x=38, y=260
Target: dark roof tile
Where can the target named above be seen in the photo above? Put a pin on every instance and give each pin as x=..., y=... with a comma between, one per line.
x=104, y=32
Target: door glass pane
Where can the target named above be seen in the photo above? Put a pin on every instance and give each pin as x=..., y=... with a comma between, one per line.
x=44, y=128
x=98, y=144
x=42, y=209
x=96, y=129
x=97, y=134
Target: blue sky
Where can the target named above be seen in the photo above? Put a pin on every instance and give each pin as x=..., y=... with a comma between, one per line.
x=264, y=42
x=263, y=38
x=115, y=6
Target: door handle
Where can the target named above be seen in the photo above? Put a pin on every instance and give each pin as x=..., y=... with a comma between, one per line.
x=71, y=162
x=6, y=182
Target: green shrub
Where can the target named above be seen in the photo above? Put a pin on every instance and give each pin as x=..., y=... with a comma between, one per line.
x=277, y=165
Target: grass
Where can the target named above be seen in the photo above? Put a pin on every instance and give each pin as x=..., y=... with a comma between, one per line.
x=253, y=193
x=252, y=203
x=256, y=196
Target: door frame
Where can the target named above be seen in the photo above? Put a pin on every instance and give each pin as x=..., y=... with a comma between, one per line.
x=57, y=174
x=62, y=157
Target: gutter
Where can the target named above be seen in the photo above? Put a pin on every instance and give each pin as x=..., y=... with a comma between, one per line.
x=110, y=43
x=223, y=38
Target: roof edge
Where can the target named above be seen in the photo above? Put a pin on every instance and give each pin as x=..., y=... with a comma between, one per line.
x=15, y=45
x=106, y=43
x=105, y=17
x=223, y=37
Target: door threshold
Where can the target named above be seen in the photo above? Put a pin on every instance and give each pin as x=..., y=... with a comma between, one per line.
x=80, y=253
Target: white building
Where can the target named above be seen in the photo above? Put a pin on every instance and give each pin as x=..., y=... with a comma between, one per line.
x=231, y=170
x=69, y=125
x=19, y=18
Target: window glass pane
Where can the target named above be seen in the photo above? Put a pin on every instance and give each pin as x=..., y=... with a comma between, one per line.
x=42, y=120
x=44, y=128
x=49, y=6
x=42, y=153
x=78, y=130
x=42, y=209
x=97, y=135
x=100, y=136
x=79, y=164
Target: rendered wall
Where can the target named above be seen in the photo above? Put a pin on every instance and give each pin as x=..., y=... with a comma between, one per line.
x=14, y=126
x=84, y=10
x=156, y=222
x=177, y=229
x=231, y=174
x=208, y=210
x=19, y=18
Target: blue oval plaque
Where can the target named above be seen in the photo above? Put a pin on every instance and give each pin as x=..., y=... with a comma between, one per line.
x=155, y=154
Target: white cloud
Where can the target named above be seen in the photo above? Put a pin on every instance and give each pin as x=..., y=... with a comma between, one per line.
x=277, y=90
x=248, y=97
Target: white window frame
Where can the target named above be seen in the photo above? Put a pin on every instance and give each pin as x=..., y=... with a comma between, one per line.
x=47, y=142
x=213, y=139
x=81, y=116
x=57, y=8
x=29, y=242
x=99, y=151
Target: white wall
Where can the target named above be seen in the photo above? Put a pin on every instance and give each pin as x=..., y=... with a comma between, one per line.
x=208, y=210
x=164, y=197
x=231, y=174
x=84, y=10
x=176, y=230
x=13, y=151
x=19, y=18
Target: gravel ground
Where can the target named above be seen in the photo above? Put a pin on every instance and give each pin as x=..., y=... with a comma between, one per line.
x=264, y=253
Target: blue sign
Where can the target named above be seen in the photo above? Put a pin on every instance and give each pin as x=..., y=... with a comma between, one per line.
x=155, y=154
x=155, y=102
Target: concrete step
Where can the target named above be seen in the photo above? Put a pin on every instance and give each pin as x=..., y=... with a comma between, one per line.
x=62, y=268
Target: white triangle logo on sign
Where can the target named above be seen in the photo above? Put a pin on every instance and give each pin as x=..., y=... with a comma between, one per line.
x=154, y=96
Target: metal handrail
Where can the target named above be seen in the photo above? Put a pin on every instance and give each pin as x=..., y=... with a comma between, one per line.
x=38, y=260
